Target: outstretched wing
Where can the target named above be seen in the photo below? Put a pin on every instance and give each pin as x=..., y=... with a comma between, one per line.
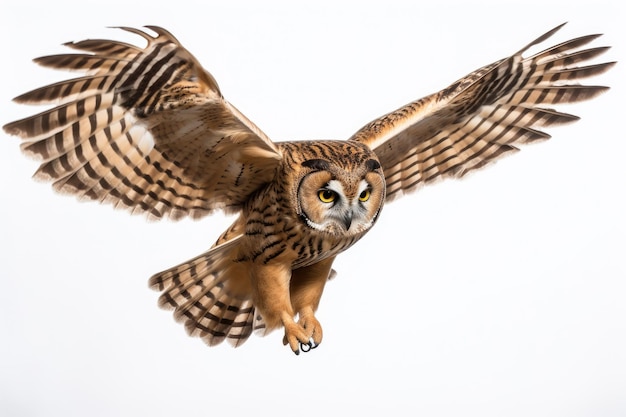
x=145, y=129
x=482, y=116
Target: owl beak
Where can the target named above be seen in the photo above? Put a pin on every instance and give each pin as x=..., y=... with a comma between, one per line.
x=347, y=220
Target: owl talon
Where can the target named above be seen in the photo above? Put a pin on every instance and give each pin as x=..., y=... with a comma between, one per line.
x=306, y=347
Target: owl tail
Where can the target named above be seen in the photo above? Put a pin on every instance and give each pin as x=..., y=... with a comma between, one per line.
x=211, y=295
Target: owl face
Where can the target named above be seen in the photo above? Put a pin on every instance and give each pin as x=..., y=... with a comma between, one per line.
x=339, y=200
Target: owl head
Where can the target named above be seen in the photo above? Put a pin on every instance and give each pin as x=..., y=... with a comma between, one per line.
x=341, y=196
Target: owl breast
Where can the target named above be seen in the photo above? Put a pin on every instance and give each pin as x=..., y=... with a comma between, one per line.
x=326, y=195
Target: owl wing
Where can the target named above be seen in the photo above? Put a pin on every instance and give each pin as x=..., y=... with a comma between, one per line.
x=482, y=116
x=146, y=129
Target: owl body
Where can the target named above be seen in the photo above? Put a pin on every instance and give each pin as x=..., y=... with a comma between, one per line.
x=148, y=129
x=273, y=245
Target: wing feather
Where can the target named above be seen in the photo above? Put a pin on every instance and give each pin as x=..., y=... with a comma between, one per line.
x=145, y=129
x=482, y=116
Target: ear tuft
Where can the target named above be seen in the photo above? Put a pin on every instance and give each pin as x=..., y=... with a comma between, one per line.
x=317, y=164
x=372, y=164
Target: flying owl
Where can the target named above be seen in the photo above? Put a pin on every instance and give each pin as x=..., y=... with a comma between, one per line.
x=148, y=129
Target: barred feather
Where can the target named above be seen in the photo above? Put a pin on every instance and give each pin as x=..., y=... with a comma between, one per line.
x=483, y=116
x=141, y=128
x=210, y=295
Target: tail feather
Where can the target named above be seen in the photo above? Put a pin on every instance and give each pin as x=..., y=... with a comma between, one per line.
x=210, y=294
x=227, y=318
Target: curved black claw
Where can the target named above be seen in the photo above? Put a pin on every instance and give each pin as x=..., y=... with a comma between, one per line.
x=306, y=347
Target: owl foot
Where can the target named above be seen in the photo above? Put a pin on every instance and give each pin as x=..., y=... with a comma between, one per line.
x=313, y=328
x=295, y=337
x=304, y=335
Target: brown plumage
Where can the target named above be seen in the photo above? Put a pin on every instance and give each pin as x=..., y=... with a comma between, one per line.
x=147, y=129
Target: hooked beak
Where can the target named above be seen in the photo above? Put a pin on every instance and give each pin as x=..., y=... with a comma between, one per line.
x=347, y=220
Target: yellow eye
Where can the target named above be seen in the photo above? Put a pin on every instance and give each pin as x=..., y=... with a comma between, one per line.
x=326, y=195
x=365, y=195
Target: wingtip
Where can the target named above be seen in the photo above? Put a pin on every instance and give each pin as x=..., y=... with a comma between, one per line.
x=154, y=28
x=162, y=32
x=136, y=31
x=542, y=38
x=551, y=32
x=610, y=64
x=7, y=129
x=13, y=129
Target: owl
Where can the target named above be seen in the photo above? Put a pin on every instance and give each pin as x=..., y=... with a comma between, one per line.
x=148, y=129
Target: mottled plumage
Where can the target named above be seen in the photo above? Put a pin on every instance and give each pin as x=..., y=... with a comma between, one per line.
x=147, y=129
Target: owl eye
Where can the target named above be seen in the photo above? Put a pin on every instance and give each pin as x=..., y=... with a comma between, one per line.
x=365, y=195
x=326, y=196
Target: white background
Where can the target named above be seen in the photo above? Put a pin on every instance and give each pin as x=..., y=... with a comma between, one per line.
x=499, y=295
